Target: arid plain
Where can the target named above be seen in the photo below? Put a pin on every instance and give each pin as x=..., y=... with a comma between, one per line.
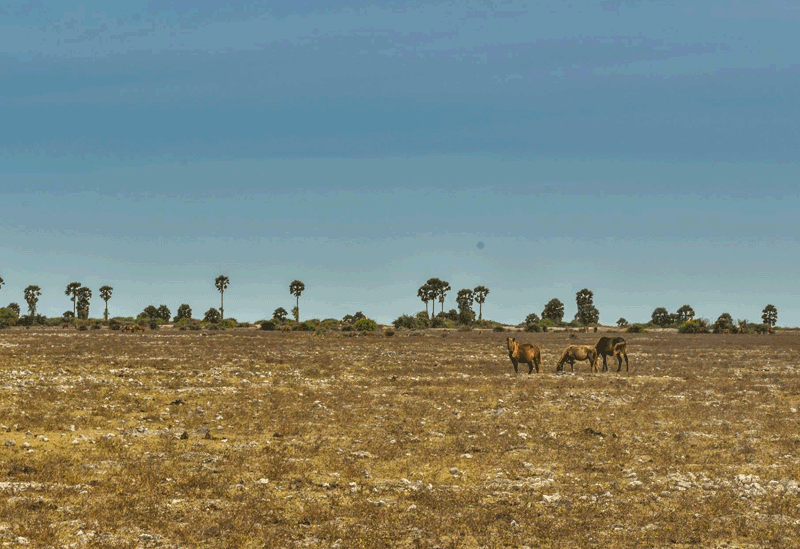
x=246, y=438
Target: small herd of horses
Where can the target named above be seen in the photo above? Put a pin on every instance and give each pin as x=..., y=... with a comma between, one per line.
x=532, y=355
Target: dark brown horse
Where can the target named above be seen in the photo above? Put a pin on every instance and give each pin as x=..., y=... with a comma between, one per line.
x=613, y=347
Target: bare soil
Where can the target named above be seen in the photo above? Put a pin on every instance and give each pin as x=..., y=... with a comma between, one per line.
x=245, y=438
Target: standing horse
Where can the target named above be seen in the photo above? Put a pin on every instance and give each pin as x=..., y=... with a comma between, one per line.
x=577, y=352
x=525, y=353
x=613, y=347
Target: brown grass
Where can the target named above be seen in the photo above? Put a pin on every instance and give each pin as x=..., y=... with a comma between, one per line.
x=247, y=438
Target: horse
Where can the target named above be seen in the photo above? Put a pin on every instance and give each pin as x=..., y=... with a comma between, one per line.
x=577, y=352
x=525, y=353
x=617, y=347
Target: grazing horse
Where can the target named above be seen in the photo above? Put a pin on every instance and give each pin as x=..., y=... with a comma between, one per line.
x=613, y=347
x=577, y=352
x=525, y=353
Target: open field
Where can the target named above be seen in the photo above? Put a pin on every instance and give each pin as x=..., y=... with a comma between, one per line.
x=245, y=438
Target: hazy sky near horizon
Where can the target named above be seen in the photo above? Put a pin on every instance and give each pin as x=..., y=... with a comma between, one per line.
x=644, y=150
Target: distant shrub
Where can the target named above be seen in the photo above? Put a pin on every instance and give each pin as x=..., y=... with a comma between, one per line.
x=114, y=324
x=83, y=327
x=438, y=322
x=154, y=324
x=212, y=315
x=465, y=329
x=389, y=333
x=184, y=312
x=329, y=324
x=499, y=329
x=762, y=328
x=348, y=328
x=535, y=327
x=195, y=327
x=410, y=322
x=96, y=325
x=692, y=327
x=546, y=323
x=306, y=326
x=228, y=323
x=268, y=326
x=366, y=325
x=636, y=329
x=8, y=317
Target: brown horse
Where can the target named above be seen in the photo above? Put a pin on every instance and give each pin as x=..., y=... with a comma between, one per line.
x=525, y=353
x=613, y=347
x=577, y=352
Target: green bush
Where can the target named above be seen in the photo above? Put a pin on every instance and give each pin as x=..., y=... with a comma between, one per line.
x=366, y=325
x=228, y=323
x=499, y=329
x=696, y=326
x=306, y=326
x=153, y=323
x=762, y=328
x=636, y=329
x=347, y=328
x=389, y=333
x=8, y=317
x=268, y=326
x=114, y=324
x=83, y=327
x=411, y=322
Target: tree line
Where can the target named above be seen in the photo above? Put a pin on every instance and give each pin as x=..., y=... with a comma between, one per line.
x=81, y=296
x=433, y=290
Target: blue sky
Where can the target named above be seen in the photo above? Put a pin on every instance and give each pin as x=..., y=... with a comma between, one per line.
x=644, y=150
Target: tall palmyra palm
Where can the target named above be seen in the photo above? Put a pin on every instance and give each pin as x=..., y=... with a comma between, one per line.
x=32, y=294
x=221, y=282
x=426, y=293
x=480, y=293
x=105, y=295
x=296, y=288
x=442, y=290
x=72, y=290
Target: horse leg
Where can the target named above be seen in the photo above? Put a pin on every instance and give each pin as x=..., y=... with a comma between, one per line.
x=530, y=367
x=605, y=366
x=514, y=362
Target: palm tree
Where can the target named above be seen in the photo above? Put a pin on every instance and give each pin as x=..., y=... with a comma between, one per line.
x=221, y=283
x=32, y=294
x=105, y=295
x=480, y=293
x=442, y=290
x=464, y=299
x=770, y=315
x=296, y=288
x=426, y=293
x=72, y=289
x=84, y=295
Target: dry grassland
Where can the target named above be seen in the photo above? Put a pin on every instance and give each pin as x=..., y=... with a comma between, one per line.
x=245, y=438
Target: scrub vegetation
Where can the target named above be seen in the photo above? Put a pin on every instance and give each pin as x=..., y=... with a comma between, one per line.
x=328, y=438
